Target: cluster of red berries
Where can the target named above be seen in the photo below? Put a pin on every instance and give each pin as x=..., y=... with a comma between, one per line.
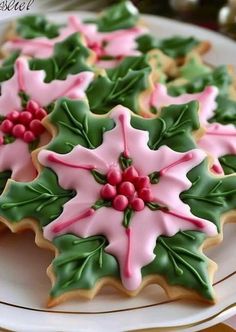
x=25, y=125
x=127, y=188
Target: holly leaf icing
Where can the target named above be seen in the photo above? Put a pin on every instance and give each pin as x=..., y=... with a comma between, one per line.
x=179, y=260
x=81, y=263
x=69, y=57
x=76, y=125
x=173, y=128
x=219, y=77
x=174, y=47
x=225, y=112
x=228, y=163
x=34, y=26
x=7, y=67
x=41, y=199
x=121, y=85
x=123, y=15
x=209, y=196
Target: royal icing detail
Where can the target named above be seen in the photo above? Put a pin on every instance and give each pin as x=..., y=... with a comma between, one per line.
x=218, y=140
x=116, y=44
x=124, y=198
x=21, y=125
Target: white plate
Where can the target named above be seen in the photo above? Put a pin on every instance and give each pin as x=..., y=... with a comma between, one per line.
x=24, y=285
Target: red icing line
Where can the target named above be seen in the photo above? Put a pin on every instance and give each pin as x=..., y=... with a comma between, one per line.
x=60, y=227
x=196, y=222
x=20, y=76
x=185, y=158
x=54, y=159
x=127, y=261
x=217, y=169
x=75, y=84
x=122, y=121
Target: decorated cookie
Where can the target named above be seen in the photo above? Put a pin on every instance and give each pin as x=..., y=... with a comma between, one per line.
x=24, y=102
x=112, y=36
x=220, y=118
x=69, y=57
x=114, y=219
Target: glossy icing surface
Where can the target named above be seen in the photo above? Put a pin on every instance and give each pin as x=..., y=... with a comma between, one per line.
x=80, y=218
x=15, y=154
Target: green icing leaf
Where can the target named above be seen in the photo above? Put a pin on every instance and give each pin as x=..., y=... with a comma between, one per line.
x=7, y=67
x=219, y=77
x=228, y=163
x=34, y=26
x=174, y=47
x=76, y=125
x=225, y=112
x=4, y=176
x=69, y=57
x=122, y=15
x=81, y=263
x=209, y=196
x=173, y=128
x=122, y=85
x=180, y=262
x=42, y=199
x=193, y=68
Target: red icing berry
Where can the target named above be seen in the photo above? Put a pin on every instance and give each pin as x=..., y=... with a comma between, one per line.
x=7, y=126
x=137, y=204
x=145, y=194
x=114, y=177
x=25, y=117
x=142, y=182
x=126, y=188
x=13, y=116
x=108, y=191
x=29, y=136
x=130, y=174
x=18, y=130
x=36, y=127
x=1, y=140
x=32, y=106
x=120, y=202
x=40, y=114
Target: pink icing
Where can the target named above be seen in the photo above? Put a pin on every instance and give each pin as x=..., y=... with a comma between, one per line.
x=117, y=44
x=206, y=99
x=16, y=156
x=133, y=246
x=219, y=140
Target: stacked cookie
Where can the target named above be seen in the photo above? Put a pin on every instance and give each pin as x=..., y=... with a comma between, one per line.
x=118, y=150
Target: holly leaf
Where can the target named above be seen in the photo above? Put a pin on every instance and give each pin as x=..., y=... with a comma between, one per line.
x=225, y=112
x=219, y=77
x=122, y=15
x=4, y=176
x=174, y=47
x=69, y=57
x=34, y=26
x=180, y=261
x=122, y=85
x=209, y=196
x=41, y=199
x=7, y=67
x=76, y=125
x=81, y=263
x=173, y=128
x=228, y=163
